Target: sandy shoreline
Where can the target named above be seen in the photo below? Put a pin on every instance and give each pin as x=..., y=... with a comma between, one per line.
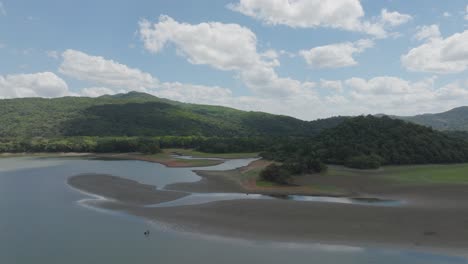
x=423, y=229
x=163, y=158
x=438, y=225
x=122, y=190
x=434, y=219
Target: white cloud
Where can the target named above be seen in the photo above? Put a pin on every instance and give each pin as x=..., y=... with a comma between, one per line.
x=382, y=94
x=119, y=78
x=455, y=91
x=340, y=14
x=223, y=46
x=2, y=9
x=392, y=95
x=335, y=55
x=190, y=93
x=354, y=96
x=332, y=85
x=394, y=18
x=439, y=55
x=98, y=70
x=427, y=33
x=43, y=84
x=447, y=14
x=98, y=91
x=227, y=47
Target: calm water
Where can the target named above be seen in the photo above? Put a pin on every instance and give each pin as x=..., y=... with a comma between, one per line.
x=41, y=221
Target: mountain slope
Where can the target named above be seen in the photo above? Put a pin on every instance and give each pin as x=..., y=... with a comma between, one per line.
x=455, y=119
x=139, y=114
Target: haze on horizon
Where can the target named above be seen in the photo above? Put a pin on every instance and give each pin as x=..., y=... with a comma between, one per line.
x=308, y=58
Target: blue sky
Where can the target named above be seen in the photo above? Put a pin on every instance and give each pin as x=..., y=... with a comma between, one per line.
x=306, y=58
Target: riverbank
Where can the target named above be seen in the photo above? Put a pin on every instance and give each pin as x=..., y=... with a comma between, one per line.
x=448, y=183
x=434, y=218
x=168, y=157
x=122, y=190
x=434, y=229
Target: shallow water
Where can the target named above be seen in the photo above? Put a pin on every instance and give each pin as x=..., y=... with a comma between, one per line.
x=201, y=198
x=345, y=200
x=42, y=222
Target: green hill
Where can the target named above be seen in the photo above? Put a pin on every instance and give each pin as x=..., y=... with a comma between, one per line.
x=139, y=114
x=382, y=140
x=455, y=119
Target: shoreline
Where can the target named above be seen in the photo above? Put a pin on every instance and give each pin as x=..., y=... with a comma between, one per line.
x=305, y=222
x=121, y=190
x=166, y=160
x=432, y=230
x=434, y=222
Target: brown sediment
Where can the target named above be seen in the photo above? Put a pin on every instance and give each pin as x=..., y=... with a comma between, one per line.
x=434, y=219
x=122, y=190
x=238, y=180
x=166, y=160
x=437, y=230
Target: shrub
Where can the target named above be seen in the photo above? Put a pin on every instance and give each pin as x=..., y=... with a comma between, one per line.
x=372, y=161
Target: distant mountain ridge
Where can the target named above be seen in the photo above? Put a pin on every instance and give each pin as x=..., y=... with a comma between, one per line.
x=452, y=120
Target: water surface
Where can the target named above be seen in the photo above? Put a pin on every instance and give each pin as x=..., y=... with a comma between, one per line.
x=42, y=222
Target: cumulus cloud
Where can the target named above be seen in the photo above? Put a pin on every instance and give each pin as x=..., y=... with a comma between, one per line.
x=353, y=96
x=335, y=55
x=190, y=93
x=96, y=69
x=393, y=95
x=381, y=94
x=394, y=18
x=99, y=91
x=43, y=84
x=331, y=85
x=119, y=78
x=439, y=55
x=227, y=47
x=427, y=33
x=341, y=14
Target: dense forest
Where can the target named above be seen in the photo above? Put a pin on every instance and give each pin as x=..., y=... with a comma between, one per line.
x=143, y=115
x=369, y=142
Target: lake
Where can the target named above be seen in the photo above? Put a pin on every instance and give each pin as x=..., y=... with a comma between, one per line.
x=43, y=221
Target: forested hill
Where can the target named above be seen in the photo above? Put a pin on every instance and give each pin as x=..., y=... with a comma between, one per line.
x=366, y=140
x=455, y=119
x=140, y=114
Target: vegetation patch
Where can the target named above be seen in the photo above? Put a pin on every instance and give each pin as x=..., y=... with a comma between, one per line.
x=409, y=174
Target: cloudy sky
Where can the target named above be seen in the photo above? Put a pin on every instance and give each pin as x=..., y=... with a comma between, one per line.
x=305, y=58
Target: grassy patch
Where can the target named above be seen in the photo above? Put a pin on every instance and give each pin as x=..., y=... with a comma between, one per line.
x=411, y=174
x=166, y=158
x=429, y=174
x=261, y=183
